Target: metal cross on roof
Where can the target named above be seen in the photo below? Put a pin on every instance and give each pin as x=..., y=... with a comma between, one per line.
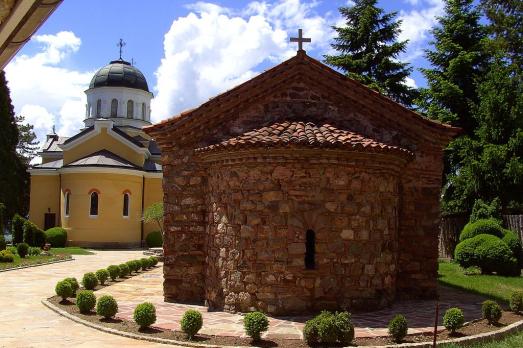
x=300, y=39
x=121, y=44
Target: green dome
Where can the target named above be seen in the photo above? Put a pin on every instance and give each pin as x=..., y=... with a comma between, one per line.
x=119, y=73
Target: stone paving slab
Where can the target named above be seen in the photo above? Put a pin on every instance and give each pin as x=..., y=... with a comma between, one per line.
x=148, y=287
x=25, y=322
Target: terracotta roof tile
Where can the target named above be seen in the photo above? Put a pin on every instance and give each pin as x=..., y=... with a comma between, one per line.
x=304, y=134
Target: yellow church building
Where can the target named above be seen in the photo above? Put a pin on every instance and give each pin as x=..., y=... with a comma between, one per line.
x=97, y=183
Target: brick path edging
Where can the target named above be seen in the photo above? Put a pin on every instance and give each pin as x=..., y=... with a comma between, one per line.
x=35, y=265
x=479, y=338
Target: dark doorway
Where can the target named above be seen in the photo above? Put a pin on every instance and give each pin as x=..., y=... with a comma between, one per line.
x=49, y=221
x=310, y=249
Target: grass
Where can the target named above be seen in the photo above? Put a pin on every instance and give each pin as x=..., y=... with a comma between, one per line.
x=513, y=341
x=70, y=251
x=31, y=260
x=496, y=287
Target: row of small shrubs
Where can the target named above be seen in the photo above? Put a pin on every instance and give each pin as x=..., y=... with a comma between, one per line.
x=24, y=231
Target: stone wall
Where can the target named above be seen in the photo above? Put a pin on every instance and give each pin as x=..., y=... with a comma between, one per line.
x=259, y=211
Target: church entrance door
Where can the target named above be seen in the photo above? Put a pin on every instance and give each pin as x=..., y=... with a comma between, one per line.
x=49, y=221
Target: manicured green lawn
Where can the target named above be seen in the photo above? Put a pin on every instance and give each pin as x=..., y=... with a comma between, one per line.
x=31, y=260
x=496, y=287
x=514, y=341
x=70, y=251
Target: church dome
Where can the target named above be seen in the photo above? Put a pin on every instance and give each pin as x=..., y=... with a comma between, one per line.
x=119, y=73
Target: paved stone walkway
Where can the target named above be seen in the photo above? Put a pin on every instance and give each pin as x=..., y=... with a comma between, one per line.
x=148, y=287
x=25, y=322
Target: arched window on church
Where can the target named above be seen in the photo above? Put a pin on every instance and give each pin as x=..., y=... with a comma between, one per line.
x=130, y=109
x=143, y=111
x=310, y=249
x=126, y=201
x=99, y=108
x=93, y=207
x=114, y=108
x=67, y=203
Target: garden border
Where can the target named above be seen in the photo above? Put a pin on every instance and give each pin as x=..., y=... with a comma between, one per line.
x=483, y=337
x=35, y=265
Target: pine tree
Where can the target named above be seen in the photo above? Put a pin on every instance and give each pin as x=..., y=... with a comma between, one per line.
x=27, y=146
x=13, y=174
x=368, y=50
x=458, y=60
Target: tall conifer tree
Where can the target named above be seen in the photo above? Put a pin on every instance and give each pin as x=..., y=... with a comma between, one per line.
x=368, y=50
x=13, y=175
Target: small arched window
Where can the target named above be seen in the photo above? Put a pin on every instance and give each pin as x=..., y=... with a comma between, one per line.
x=143, y=111
x=67, y=203
x=114, y=108
x=130, y=109
x=99, y=108
x=88, y=110
x=93, y=210
x=126, y=201
x=310, y=249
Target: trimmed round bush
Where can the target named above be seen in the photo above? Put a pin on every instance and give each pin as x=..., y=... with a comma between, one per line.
x=516, y=301
x=145, y=315
x=74, y=284
x=56, y=236
x=85, y=301
x=495, y=256
x=398, y=328
x=255, y=323
x=191, y=323
x=150, y=262
x=514, y=244
x=483, y=226
x=102, y=275
x=22, y=249
x=132, y=266
x=453, y=319
x=144, y=263
x=154, y=260
x=106, y=306
x=329, y=329
x=90, y=281
x=114, y=272
x=154, y=239
x=6, y=256
x=491, y=311
x=124, y=270
x=64, y=289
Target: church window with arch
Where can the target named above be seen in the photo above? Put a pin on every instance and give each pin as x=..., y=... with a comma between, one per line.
x=114, y=108
x=310, y=249
x=99, y=108
x=93, y=206
x=126, y=204
x=143, y=111
x=67, y=203
x=130, y=109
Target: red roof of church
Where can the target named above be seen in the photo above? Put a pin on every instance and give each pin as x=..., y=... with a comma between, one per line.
x=231, y=97
x=304, y=134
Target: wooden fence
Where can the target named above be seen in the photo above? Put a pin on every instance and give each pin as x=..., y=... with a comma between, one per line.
x=452, y=225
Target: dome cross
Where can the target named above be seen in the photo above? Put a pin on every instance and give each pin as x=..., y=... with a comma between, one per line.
x=121, y=44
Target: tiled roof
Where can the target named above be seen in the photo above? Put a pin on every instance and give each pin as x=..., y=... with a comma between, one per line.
x=304, y=135
x=102, y=158
x=49, y=165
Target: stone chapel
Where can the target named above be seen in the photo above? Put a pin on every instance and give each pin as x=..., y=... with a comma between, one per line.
x=300, y=190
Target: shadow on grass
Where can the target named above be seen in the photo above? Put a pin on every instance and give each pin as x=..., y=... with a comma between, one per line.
x=499, y=299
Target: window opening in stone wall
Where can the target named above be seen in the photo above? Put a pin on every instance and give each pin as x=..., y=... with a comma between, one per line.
x=93, y=211
x=114, y=108
x=130, y=109
x=99, y=108
x=310, y=249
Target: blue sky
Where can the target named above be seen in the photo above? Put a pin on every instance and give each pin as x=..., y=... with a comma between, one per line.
x=189, y=51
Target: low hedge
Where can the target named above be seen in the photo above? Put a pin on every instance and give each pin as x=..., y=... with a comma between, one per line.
x=56, y=236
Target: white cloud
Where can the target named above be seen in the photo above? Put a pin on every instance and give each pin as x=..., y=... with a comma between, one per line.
x=213, y=48
x=45, y=93
x=411, y=82
x=417, y=24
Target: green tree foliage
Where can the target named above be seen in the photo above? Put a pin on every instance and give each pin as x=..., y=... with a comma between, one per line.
x=154, y=213
x=368, y=50
x=27, y=146
x=14, y=179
